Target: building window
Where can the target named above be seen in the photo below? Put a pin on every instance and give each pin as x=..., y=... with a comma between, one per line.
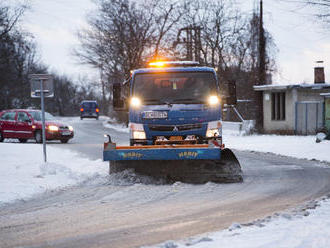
x=278, y=106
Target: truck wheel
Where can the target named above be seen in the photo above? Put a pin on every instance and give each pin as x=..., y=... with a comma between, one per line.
x=1, y=137
x=22, y=140
x=64, y=141
x=38, y=136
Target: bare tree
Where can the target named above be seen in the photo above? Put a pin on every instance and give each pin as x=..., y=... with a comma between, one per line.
x=167, y=17
x=321, y=6
x=9, y=17
x=124, y=34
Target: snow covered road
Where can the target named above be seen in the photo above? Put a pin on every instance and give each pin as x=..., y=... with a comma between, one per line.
x=129, y=211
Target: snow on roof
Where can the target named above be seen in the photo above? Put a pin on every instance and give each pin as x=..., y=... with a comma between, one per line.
x=290, y=86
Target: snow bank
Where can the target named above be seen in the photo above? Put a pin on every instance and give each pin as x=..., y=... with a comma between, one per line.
x=303, y=147
x=304, y=229
x=111, y=123
x=23, y=173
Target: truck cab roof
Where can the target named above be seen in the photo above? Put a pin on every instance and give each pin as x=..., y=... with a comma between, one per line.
x=174, y=69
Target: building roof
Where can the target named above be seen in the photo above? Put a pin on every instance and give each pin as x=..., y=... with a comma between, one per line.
x=291, y=86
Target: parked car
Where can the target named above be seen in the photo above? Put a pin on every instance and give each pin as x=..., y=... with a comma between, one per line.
x=89, y=109
x=24, y=124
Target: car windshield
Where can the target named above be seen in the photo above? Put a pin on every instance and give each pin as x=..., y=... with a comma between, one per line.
x=37, y=116
x=177, y=87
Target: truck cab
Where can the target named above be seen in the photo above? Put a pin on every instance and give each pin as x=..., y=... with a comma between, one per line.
x=173, y=103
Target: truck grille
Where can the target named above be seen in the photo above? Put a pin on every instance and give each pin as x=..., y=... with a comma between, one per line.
x=64, y=128
x=169, y=128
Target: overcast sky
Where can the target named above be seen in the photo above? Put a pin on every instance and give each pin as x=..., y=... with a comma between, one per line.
x=300, y=39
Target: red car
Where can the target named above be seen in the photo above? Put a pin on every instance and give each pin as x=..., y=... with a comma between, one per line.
x=24, y=124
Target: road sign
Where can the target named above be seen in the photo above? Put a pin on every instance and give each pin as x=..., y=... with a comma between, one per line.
x=48, y=85
x=42, y=86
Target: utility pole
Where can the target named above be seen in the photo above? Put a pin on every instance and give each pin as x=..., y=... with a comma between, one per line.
x=192, y=42
x=261, y=72
x=262, y=49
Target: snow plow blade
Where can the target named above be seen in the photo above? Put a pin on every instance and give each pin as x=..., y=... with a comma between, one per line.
x=185, y=163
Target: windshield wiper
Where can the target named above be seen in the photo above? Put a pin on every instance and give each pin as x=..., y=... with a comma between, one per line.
x=156, y=101
x=187, y=100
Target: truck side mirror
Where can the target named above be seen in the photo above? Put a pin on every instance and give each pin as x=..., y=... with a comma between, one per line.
x=118, y=101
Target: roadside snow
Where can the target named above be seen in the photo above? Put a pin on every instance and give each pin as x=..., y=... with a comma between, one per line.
x=304, y=229
x=303, y=147
x=111, y=123
x=23, y=173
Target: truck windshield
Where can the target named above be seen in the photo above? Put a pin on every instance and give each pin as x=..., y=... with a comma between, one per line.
x=175, y=87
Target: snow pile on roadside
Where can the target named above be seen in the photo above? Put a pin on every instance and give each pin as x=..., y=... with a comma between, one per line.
x=23, y=173
x=303, y=147
x=304, y=229
x=112, y=123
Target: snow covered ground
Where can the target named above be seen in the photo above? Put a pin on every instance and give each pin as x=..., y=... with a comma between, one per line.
x=23, y=175
x=303, y=147
x=307, y=227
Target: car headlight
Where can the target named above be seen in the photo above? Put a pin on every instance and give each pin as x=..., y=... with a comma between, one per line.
x=214, y=129
x=53, y=128
x=70, y=128
x=213, y=100
x=137, y=131
x=135, y=102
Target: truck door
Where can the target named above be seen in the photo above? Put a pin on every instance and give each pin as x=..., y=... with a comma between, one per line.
x=8, y=124
x=24, y=126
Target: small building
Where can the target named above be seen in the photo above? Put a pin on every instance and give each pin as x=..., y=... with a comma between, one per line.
x=294, y=109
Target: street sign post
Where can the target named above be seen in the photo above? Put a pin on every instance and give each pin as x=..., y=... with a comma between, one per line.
x=42, y=86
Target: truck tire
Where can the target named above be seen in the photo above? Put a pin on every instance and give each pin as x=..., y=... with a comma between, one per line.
x=64, y=141
x=38, y=136
x=1, y=137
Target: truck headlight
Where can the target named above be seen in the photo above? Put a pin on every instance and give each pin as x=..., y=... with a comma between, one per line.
x=212, y=133
x=135, y=102
x=214, y=129
x=53, y=128
x=139, y=135
x=70, y=128
x=136, y=131
x=213, y=100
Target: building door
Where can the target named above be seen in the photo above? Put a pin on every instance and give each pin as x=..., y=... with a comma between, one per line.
x=327, y=113
x=309, y=117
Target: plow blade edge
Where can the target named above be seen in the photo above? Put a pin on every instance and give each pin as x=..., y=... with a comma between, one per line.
x=188, y=164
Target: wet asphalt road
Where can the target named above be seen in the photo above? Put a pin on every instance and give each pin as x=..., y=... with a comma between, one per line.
x=128, y=211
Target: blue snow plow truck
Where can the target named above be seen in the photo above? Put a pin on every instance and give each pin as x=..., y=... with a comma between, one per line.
x=175, y=125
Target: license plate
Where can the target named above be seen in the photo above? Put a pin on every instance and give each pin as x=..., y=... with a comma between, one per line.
x=66, y=133
x=155, y=115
